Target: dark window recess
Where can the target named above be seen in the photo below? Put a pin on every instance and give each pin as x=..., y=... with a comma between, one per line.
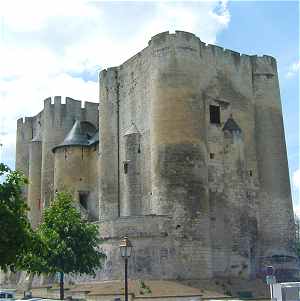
x=214, y=112
x=83, y=199
x=250, y=173
x=211, y=155
x=139, y=149
x=125, y=167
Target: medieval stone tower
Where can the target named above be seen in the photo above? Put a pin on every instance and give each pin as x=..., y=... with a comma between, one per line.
x=190, y=162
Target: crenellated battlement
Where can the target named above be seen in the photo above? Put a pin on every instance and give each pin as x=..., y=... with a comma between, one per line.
x=24, y=120
x=185, y=41
x=159, y=38
x=58, y=113
x=165, y=36
x=25, y=127
x=264, y=65
x=68, y=101
x=61, y=106
x=20, y=121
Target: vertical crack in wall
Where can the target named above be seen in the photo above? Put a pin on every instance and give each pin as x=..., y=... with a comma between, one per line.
x=118, y=138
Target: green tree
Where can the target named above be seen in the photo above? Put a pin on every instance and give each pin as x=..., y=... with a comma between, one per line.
x=15, y=230
x=63, y=243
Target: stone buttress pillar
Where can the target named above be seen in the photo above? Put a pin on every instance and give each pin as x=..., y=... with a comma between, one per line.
x=24, y=136
x=179, y=171
x=109, y=165
x=34, y=187
x=276, y=212
x=132, y=172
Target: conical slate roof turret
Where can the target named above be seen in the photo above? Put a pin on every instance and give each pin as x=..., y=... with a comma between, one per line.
x=231, y=126
x=94, y=139
x=81, y=134
x=132, y=130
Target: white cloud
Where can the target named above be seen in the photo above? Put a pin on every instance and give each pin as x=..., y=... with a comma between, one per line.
x=30, y=15
x=293, y=69
x=296, y=178
x=297, y=210
x=56, y=47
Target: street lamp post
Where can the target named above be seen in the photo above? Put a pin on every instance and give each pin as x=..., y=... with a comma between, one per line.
x=125, y=250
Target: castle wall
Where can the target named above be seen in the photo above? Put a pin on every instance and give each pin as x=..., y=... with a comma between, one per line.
x=132, y=201
x=159, y=252
x=178, y=140
x=74, y=171
x=207, y=180
x=58, y=119
x=36, y=136
x=109, y=163
x=275, y=209
x=34, y=186
x=232, y=167
x=27, y=129
x=196, y=199
x=134, y=94
x=93, y=172
x=71, y=164
x=24, y=135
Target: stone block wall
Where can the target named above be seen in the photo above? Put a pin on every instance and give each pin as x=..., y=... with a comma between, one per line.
x=191, y=162
x=208, y=180
x=36, y=137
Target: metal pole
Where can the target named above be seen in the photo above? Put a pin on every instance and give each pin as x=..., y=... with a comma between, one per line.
x=61, y=285
x=126, y=279
x=271, y=291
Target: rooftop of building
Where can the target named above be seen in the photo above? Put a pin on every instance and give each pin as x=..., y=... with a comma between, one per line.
x=83, y=133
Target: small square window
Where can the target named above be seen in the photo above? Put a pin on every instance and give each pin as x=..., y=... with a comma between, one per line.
x=211, y=155
x=214, y=113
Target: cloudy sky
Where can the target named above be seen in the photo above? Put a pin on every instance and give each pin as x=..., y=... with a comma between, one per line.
x=53, y=47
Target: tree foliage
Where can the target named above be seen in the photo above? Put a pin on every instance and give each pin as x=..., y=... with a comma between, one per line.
x=15, y=230
x=64, y=242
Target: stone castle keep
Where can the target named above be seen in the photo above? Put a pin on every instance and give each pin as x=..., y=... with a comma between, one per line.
x=186, y=155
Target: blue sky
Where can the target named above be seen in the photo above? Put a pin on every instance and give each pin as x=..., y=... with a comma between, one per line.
x=53, y=47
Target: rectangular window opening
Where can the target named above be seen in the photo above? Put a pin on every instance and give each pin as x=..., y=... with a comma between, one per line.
x=211, y=155
x=83, y=199
x=214, y=112
x=125, y=165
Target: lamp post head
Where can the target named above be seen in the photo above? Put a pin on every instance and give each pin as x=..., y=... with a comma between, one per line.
x=270, y=271
x=125, y=247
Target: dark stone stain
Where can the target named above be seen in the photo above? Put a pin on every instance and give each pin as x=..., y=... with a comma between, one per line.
x=143, y=264
x=182, y=169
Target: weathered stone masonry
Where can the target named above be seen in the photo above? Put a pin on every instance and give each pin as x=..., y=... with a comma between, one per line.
x=191, y=162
